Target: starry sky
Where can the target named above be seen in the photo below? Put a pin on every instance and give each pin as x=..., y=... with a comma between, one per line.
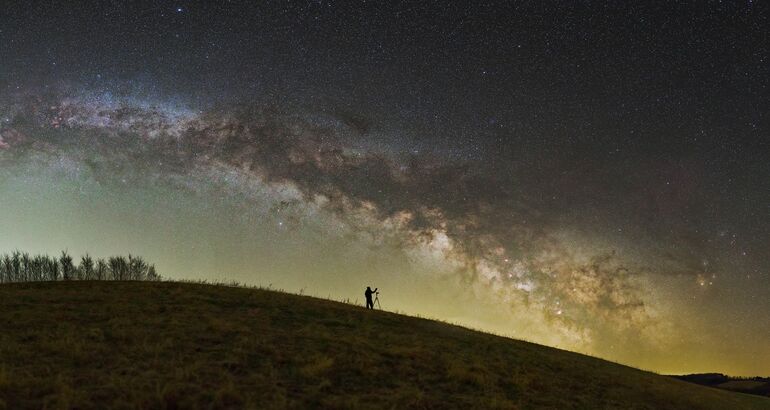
x=593, y=176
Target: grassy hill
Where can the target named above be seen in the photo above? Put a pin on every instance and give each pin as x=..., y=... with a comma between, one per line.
x=174, y=345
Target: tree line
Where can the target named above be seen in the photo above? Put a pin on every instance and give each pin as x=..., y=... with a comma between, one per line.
x=22, y=267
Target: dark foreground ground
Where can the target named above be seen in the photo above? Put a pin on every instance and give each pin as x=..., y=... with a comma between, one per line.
x=749, y=385
x=174, y=345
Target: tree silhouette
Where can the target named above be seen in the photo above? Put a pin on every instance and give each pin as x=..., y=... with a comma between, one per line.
x=118, y=267
x=67, y=268
x=86, y=268
x=101, y=270
x=21, y=267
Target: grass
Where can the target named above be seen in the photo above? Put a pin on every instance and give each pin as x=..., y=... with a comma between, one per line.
x=168, y=345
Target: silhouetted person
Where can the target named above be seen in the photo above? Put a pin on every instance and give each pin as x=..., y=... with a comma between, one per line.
x=368, y=294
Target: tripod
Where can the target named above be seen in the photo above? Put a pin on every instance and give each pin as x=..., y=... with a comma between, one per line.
x=377, y=300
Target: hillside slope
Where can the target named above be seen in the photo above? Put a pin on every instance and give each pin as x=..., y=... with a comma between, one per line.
x=175, y=345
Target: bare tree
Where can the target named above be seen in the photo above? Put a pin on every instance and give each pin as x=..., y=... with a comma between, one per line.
x=118, y=268
x=86, y=268
x=38, y=267
x=51, y=269
x=7, y=265
x=25, y=267
x=152, y=275
x=67, y=267
x=101, y=270
x=16, y=266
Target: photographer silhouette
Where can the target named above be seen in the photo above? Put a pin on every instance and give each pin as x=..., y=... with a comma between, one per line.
x=368, y=294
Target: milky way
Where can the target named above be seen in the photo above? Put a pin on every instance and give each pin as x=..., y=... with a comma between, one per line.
x=452, y=217
x=597, y=184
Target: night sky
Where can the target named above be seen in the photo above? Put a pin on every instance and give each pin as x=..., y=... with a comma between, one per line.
x=589, y=176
